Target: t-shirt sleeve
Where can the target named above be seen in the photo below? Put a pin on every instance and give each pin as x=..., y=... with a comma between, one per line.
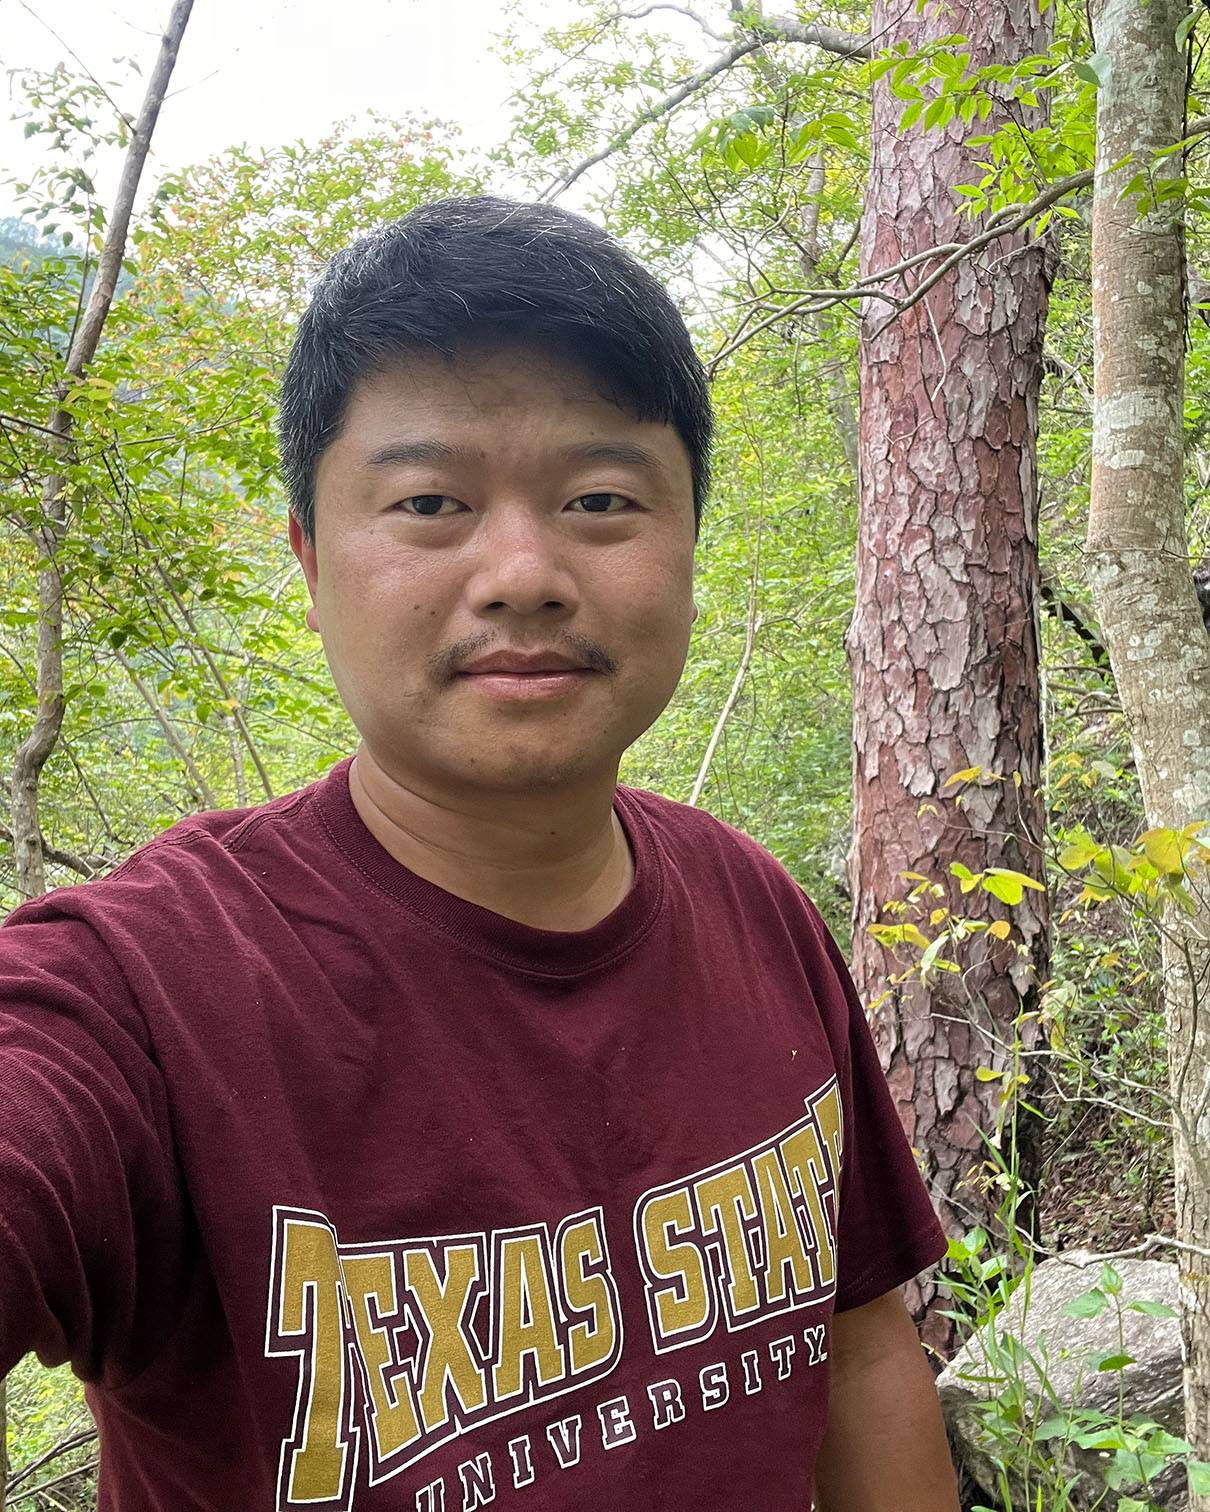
x=887, y=1230
x=90, y=1203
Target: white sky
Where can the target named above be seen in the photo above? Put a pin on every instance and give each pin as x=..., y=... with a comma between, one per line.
x=270, y=71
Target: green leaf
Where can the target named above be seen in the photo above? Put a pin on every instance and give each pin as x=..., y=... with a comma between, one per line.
x=911, y=115
x=1094, y=71
x=1052, y=1428
x=1163, y=1442
x=1006, y=888
x=938, y=113
x=1165, y=849
x=1090, y=1304
x=1187, y=25
x=1112, y=1359
x=1104, y=1437
x=1199, y=1477
x=1153, y=1309
x=931, y=952
x=1131, y=1465
x=1111, y=1280
x=1079, y=851
x=1002, y=871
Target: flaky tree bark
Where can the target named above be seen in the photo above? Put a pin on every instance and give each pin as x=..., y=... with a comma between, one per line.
x=35, y=749
x=944, y=641
x=1139, y=568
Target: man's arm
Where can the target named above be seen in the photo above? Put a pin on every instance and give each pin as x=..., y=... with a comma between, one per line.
x=884, y=1449
x=92, y=1223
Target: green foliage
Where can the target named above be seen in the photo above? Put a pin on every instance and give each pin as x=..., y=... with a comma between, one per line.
x=1044, y=1450
x=46, y=1412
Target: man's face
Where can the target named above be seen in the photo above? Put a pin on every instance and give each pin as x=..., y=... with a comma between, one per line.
x=502, y=571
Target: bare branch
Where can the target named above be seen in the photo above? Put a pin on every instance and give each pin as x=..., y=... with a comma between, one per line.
x=114, y=249
x=64, y=1446
x=1003, y=223
x=169, y=732
x=1062, y=610
x=1145, y=1247
x=828, y=38
x=683, y=10
x=44, y=1487
x=84, y=866
x=725, y=712
x=774, y=29
x=815, y=301
x=232, y=703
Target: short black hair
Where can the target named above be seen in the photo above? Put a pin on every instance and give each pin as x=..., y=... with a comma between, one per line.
x=463, y=271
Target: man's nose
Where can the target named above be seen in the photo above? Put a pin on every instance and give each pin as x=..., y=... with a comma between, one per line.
x=522, y=565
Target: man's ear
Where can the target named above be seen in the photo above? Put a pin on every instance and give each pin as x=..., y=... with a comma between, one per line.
x=304, y=550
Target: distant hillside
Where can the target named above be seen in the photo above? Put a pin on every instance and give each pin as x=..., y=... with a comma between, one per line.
x=21, y=242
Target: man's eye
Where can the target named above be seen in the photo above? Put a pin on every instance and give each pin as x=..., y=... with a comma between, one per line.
x=599, y=503
x=429, y=505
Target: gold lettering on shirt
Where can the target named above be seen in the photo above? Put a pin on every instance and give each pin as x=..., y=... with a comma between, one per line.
x=676, y=1272
x=829, y=1115
x=803, y=1155
x=746, y=1239
x=588, y=1289
x=444, y=1307
x=393, y=1419
x=404, y=1344
x=727, y=1205
x=310, y=1309
x=526, y=1315
x=783, y=1243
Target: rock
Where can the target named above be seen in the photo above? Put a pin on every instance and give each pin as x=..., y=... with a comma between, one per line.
x=1062, y=1346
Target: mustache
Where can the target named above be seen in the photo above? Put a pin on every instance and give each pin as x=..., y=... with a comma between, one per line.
x=446, y=665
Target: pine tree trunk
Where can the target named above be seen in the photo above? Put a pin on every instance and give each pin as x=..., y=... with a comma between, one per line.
x=944, y=641
x=1139, y=568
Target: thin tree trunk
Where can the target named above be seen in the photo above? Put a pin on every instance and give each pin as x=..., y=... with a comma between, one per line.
x=1139, y=568
x=35, y=749
x=33, y=752
x=944, y=640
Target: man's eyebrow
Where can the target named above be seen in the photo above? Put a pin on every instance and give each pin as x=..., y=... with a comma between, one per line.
x=414, y=451
x=629, y=453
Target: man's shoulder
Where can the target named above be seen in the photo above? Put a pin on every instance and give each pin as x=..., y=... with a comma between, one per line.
x=198, y=850
x=690, y=833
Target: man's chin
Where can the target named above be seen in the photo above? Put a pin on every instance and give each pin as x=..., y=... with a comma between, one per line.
x=537, y=773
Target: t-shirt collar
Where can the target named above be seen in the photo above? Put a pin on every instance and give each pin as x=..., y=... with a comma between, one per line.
x=541, y=951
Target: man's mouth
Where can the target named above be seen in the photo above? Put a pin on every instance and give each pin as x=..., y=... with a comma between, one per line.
x=513, y=676
x=522, y=664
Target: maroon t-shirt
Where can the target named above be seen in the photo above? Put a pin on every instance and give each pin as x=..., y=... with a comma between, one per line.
x=341, y=1192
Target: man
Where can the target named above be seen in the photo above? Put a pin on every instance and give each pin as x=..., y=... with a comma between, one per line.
x=464, y=1130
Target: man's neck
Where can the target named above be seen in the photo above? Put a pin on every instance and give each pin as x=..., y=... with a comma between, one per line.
x=557, y=862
